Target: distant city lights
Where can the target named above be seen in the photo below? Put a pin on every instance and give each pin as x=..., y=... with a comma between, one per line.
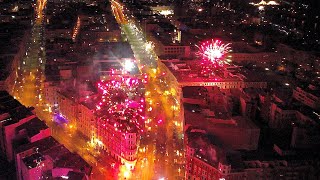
x=166, y=12
x=264, y=3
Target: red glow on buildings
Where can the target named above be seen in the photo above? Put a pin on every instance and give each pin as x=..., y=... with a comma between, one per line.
x=121, y=101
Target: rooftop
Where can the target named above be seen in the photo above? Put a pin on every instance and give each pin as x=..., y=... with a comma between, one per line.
x=33, y=127
x=15, y=115
x=42, y=145
x=71, y=160
x=124, y=125
x=33, y=160
x=61, y=156
x=189, y=71
x=211, y=123
x=206, y=149
x=7, y=102
x=312, y=90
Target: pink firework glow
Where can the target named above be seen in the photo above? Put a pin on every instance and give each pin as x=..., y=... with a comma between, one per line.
x=213, y=51
x=121, y=102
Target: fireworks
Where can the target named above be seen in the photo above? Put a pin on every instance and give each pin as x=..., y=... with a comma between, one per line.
x=121, y=102
x=213, y=51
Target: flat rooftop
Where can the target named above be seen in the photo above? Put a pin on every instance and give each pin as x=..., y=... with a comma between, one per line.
x=236, y=122
x=50, y=147
x=32, y=160
x=189, y=71
x=42, y=145
x=33, y=127
x=206, y=149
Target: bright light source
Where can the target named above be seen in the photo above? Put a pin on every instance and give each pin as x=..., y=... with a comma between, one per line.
x=128, y=65
x=126, y=174
x=149, y=46
x=166, y=12
x=287, y=84
x=161, y=178
x=213, y=51
x=200, y=9
x=261, y=8
x=267, y=69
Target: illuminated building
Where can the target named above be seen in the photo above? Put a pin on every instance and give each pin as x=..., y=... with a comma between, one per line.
x=207, y=158
x=204, y=160
x=50, y=94
x=118, y=137
x=308, y=96
x=121, y=145
x=49, y=159
x=236, y=132
x=169, y=45
x=13, y=115
x=263, y=57
x=67, y=106
x=188, y=73
x=119, y=118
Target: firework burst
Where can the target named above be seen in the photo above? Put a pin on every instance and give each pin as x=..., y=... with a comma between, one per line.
x=120, y=100
x=213, y=51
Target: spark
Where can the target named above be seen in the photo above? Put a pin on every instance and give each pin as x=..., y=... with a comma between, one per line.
x=213, y=51
x=122, y=101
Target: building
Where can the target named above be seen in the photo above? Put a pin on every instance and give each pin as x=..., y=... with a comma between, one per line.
x=204, y=160
x=188, y=73
x=14, y=38
x=12, y=115
x=207, y=159
x=167, y=39
x=18, y=125
x=237, y=132
x=122, y=144
x=259, y=57
x=68, y=106
x=308, y=96
x=26, y=141
x=280, y=115
x=77, y=110
x=47, y=158
x=50, y=94
x=33, y=165
x=86, y=119
x=304, y=138
x=30, y=132
x=165, y=48
x=250, y=102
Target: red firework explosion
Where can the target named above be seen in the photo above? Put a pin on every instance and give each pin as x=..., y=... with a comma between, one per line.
x=213, y=51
